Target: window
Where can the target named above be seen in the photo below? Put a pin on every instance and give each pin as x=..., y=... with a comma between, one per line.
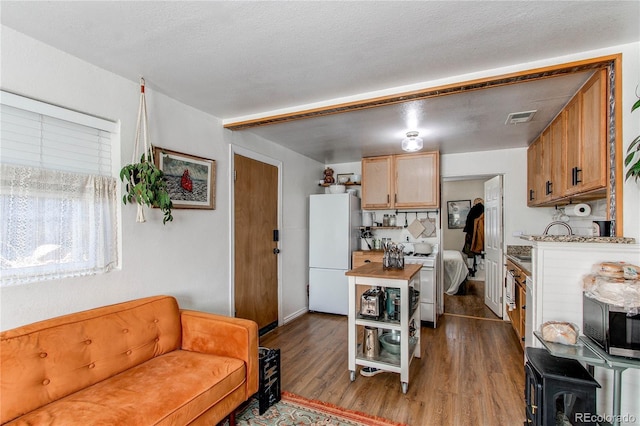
x=58, y=198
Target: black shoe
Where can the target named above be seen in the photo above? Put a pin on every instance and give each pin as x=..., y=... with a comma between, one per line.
x=370, y=371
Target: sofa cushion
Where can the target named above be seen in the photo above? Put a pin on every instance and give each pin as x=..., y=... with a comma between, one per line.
x=174, y=388
x=51, y=359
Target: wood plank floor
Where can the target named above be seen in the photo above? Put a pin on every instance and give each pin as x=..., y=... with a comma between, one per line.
x=470, y=372
x=470, y=302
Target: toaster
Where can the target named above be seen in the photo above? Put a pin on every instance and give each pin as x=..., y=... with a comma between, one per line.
x=372, y=303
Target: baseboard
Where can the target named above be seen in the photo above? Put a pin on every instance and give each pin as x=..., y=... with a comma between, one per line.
x=295, y=315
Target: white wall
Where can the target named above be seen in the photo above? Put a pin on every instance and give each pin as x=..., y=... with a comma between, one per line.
x=512, y=164
x=630, y=130
x=188, y=258
x=453, y=239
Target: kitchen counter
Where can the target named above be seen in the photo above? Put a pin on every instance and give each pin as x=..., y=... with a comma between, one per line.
x=375, y=270
x=385, y=358
x=521, y=256
x=578, y=239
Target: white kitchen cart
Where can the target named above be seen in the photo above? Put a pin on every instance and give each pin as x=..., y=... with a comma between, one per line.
x=373, y=275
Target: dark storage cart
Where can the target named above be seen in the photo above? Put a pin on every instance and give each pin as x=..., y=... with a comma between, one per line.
x=269, y=366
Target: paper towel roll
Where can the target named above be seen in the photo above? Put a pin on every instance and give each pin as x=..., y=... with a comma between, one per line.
x=580, y=210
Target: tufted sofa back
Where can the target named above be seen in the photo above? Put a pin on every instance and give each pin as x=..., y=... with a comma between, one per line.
x=47, y=360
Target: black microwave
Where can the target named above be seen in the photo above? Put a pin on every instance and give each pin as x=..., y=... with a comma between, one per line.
x=611, y=328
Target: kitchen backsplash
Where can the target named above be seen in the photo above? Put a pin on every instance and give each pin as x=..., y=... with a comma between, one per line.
x=403, y=234
x=583, y=226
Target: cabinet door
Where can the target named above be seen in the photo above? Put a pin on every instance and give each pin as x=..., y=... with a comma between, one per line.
x=593, y=164
x=533, y=173
x=515, y=314
x=586, y=145
x=557, y=142
x=572, y=144
x=376, y=182
x=544, y=183
x=416, y=180
x=522, y=296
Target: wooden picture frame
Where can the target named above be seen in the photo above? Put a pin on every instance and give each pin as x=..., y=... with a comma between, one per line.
x=191, y=180
x=457, y=212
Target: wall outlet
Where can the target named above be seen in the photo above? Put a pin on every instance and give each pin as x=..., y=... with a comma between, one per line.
x=518, y=233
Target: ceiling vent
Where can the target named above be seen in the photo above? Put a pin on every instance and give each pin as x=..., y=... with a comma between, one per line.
x=520, y=117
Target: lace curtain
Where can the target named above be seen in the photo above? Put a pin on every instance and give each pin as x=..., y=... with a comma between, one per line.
x=55, y=224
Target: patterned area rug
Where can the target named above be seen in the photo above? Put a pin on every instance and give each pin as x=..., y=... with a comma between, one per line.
x=294, y=410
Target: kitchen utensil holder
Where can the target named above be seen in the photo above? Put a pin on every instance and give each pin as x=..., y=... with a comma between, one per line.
x=393, y=257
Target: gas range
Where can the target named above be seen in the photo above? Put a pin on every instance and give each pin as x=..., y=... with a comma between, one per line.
x=428, y=261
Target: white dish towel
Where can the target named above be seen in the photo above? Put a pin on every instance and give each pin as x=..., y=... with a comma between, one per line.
x=511, y=282
x=416, y=228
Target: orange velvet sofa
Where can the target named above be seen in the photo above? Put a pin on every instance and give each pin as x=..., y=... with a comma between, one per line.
x=141, y=362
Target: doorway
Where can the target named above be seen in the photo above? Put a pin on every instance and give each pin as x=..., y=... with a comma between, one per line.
x=256, y=241
x=470, y=299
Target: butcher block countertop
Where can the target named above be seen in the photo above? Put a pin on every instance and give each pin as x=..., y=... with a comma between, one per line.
x=375, y=270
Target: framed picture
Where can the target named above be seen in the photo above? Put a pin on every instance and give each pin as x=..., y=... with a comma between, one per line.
x=191, y=180
x=457, y=212
x=344, y=178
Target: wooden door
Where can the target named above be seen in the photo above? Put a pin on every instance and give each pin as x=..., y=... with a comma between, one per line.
x=376, y=182
x=256, y=259
x=493, y=234
x=416, y=180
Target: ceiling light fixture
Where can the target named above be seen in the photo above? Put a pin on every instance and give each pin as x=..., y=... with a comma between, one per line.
x=412, y=142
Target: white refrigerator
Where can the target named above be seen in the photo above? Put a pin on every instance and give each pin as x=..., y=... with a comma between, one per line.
x=334, y=221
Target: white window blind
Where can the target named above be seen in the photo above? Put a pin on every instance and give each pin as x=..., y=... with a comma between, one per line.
x=57, y=194
x=66, y=140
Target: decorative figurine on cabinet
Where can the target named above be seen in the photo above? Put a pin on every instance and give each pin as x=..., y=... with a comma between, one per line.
x=328, y=175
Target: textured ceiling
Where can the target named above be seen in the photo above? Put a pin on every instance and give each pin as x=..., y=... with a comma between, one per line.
x=235, y=59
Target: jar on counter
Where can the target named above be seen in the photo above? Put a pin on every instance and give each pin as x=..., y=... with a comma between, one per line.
x=392, y=220
x=385, y=220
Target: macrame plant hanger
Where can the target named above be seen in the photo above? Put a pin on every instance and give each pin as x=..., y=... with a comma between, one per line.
x=142, y=132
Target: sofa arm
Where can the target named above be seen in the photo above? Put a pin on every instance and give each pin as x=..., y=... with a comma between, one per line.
x=221, y=335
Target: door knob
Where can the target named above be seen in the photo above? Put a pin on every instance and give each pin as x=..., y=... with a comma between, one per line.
x=276, y=250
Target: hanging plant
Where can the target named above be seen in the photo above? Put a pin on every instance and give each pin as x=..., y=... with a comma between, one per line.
x=145, y=185
x=144, y=182
x=633, y=152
